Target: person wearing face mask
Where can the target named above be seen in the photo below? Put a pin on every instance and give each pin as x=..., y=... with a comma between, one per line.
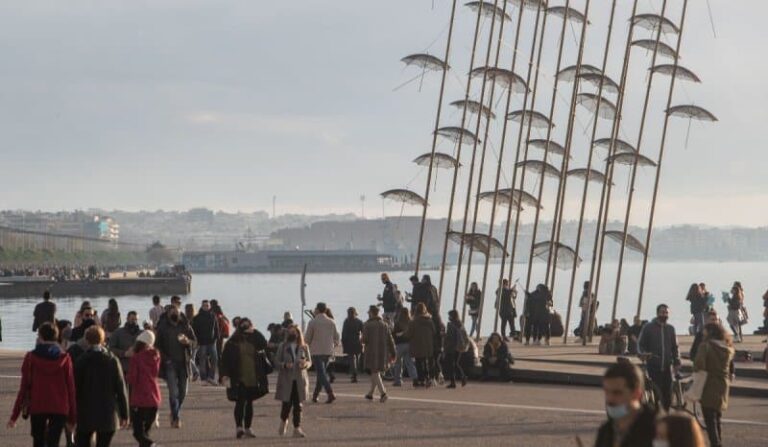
x=629, y=424
x=175, y=340
x=243, y=372
x=123, y=339
x=678, y=430
x=658, y=342
x=292, y=361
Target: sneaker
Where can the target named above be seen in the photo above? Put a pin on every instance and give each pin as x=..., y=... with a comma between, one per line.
x=383, y=398
x=331, y=398
x=283, y=429
x=176, y=423
x=299, y=433
x=249, y=433
x=240, y=433
x=369, y=396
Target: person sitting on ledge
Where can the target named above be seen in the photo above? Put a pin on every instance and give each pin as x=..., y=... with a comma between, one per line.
x=496, y=355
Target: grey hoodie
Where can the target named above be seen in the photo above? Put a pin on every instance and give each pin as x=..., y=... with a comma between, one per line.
x=660, y=340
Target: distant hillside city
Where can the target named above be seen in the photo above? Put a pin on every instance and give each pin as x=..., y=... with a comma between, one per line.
x=202, y=229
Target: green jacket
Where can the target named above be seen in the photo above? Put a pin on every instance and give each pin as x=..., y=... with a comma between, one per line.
x=714, y=357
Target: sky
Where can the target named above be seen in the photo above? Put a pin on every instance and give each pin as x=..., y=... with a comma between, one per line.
x=174, y=104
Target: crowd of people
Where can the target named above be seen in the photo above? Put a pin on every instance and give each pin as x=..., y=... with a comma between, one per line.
x=77, y=272
x=92, y=375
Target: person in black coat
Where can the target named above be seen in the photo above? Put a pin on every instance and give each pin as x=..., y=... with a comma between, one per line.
x=419, y=294
x=623, y=384
x=206, y=327
x=246, y=382
x=350, y=341
x=102, y=400
x=495, y=355
x=45, y=312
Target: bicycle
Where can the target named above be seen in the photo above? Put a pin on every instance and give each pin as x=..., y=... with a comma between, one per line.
x=680, y=384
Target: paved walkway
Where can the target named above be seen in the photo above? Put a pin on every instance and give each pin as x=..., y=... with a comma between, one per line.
x=487, y=414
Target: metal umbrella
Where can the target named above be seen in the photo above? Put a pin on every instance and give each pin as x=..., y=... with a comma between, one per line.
x=530, y=118
x=544, y=145
x=650, y=45
x=474, y=107
x=489, y=10
x=404, y=196
x=565, y=254
x=652, y=22
x=632, y=242
x=591, y=101
x=457, y=134
x=441, y=160
x=594, y=175
x=681, y=73
x=539, y=167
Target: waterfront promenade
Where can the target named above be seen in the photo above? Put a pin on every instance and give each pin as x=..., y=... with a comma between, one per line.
x=488, y=414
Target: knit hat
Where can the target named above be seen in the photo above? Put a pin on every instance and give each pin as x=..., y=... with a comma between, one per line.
x=146, y=337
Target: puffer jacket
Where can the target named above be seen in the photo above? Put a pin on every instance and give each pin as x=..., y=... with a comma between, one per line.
x=143, y=369
x=659, y=340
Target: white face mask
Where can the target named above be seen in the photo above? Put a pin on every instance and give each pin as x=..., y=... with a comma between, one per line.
x=616, y=411
x=660, y=443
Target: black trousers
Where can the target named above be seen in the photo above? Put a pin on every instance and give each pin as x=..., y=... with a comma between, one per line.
x=142, y=420
x=46, y=429
x=103, y=438
x=503, y=366
x=243, y=413
x=507, y=318
x=714, y=432
x=663, y=381
x=294, y=404
x=454, y=368
x=422, y=368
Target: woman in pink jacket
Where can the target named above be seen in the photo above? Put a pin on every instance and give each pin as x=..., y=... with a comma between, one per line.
x=143, y=369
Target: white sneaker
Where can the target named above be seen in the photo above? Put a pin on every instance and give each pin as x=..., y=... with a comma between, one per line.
x=283, y=428
x=299, y=433
x=249, y=433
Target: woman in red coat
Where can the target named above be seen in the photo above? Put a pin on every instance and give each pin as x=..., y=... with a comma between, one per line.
x=47, y=391
x=145, y=391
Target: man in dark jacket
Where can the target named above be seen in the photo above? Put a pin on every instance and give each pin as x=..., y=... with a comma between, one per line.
x=658, y=342
x=433, y=303
x=419, y=294
x=45, y=312
x=206, y=329
x=101, y=394
x=351, y=333
x=629, y=424
x=123, y=339
x=506, y=309
x=388, y=299
x=175, y=339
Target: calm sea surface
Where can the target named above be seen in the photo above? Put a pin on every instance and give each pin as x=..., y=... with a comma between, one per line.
x=264, y=297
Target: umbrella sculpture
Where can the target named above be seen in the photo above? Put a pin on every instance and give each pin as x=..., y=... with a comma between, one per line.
x=538, y=167
x=457, y=134
x=508, y=197
x=479, y=243
x=591, y=101
x=426, y=62
x=650, y=44
x=506, y=79
x=531, y=5
x=594, y=175
x=441, y=160
x=631, y=159
x=594, y=79
x=632, y=242
x=568, y=74
x=488, y=10
x=530, y=118
x=681, y=73
x=621, y=146
x=572, y=14
x=565, y=254
x=475, y=107
x=543, y=144
x=652, y=22
x=691, y=112
x=405, y=196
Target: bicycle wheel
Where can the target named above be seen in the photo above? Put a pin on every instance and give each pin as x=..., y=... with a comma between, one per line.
x=678, y=401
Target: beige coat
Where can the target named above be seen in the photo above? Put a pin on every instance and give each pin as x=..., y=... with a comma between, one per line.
x=378, y=344
x=286, y=376
x=715, y=358
x=322, y=335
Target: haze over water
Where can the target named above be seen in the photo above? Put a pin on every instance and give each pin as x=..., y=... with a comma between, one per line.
x=264, y=297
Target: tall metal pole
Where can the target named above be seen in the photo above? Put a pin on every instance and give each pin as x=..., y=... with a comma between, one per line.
x=589, y=167
x=514, y=166
x=605, y=195
x=458, y=158
x=549, y=133
x=434, y=137
x=660, y=159
x=482, y=161
x=634, y=167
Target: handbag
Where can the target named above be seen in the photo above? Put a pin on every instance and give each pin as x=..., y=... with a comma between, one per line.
x=266, y=365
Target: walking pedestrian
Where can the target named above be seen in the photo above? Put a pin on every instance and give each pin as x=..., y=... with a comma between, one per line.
x=292, y=361
x=506, y=307
x=588, y=305
x=206, y=329
x=389, y=299
x=698, y=304
x=351, y=332
x=433, y=305
x=472, y=299
x=47, y=390
x=629, y=424
x=102, y=401
x=379, y=348
x=658, y=341
x=123, y=339
x=322, y=338
x=175, y=340
x=225, y=328
x=714, y=356
x=736, y=311
x=456, y=342
x=421, y=334
x=678, y=430
x=143, y=368
x=45, y=312
x=244, y=367
x=419, y=294
x=110, y=318
x=403, y=349
x=156, y=311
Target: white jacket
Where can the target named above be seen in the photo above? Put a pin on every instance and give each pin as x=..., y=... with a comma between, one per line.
x=322, y=335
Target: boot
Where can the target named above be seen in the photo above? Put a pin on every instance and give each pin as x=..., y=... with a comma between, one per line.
x=315, y=394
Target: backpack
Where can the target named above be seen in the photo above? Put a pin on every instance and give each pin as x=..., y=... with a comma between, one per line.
x=462, y=344
x=224, y=326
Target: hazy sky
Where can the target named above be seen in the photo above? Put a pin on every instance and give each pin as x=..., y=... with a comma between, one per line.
x=180, y=103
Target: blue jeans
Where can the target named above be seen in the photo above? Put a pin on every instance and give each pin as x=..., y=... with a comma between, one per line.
x=177, y=379
x=321, y=369
x=208, y=358
x=474, y=324
x=403, y=355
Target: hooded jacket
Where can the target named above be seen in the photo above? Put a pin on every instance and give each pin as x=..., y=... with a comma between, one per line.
x=47, y=383
x=142, y=375
x=659, y=340
x=101, y=394
x=714, y=357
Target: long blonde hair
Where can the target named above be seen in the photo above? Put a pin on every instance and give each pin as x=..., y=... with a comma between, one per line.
x=299, y=335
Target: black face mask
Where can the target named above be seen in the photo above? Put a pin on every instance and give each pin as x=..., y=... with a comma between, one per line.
x=174, y=318
x=291, y=337
x=131, y=325
x=663, y=319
